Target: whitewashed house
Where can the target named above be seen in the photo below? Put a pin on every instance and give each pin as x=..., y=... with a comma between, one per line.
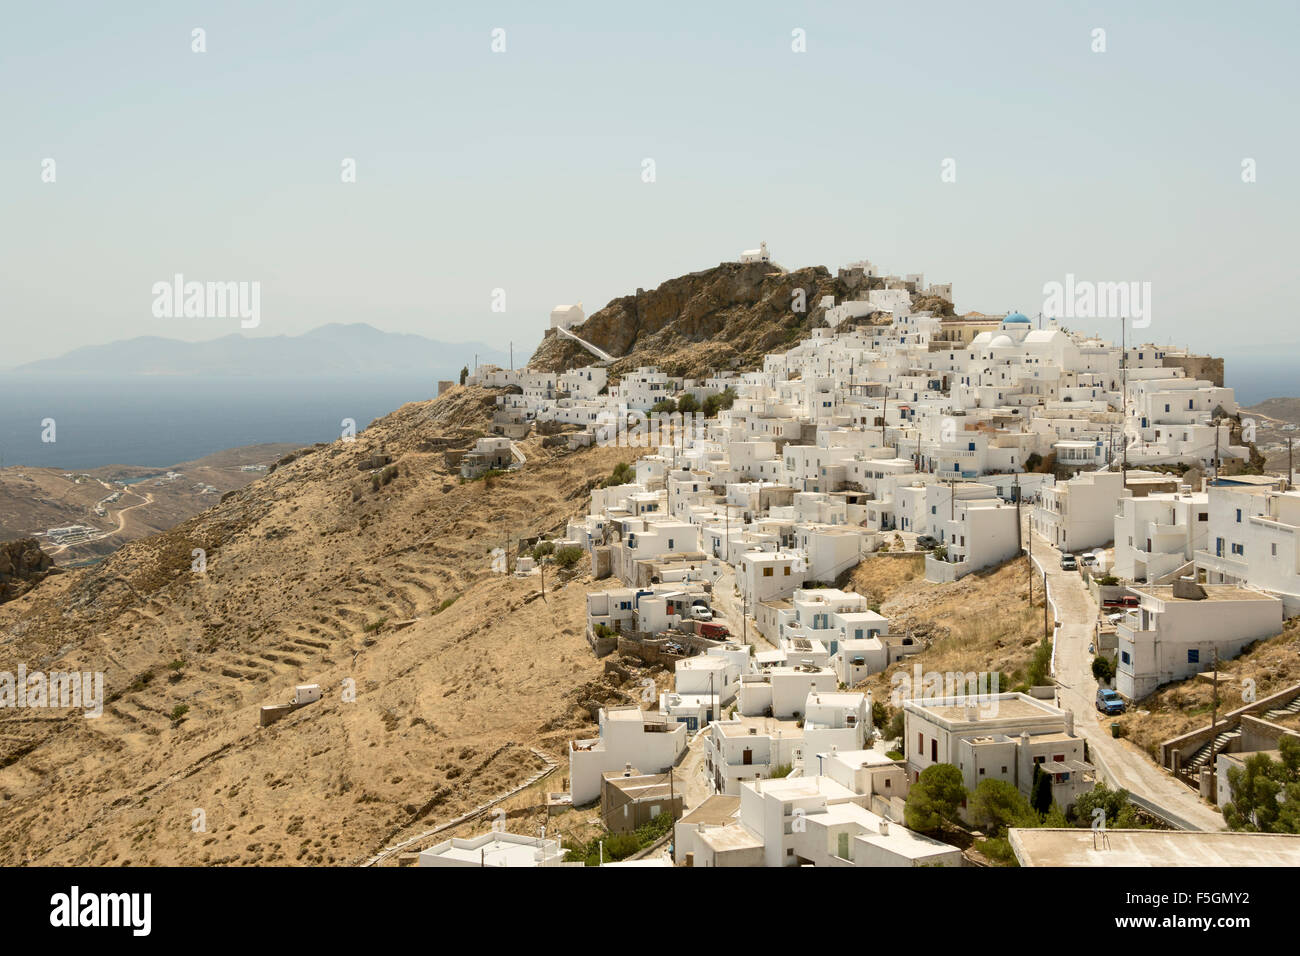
x=650, y=742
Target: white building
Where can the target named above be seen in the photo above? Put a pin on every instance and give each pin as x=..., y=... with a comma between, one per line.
x=813, y=821
x=1175, y=630
x=1079, y=513
x=997, y=737
x=1254, y=539
x=495, y=849
x=977, y=533
x=650, y=742
x=1157, y=535
x=782, y=691
x=567, y=316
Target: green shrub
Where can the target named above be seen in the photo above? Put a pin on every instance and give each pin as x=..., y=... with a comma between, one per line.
x=623, y=474
x=568, y=556
x=1103, y=668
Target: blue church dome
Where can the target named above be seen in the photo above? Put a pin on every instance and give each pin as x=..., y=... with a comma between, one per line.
x=1016, y=317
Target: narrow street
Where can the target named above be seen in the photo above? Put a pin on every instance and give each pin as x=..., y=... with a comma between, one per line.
x=1125, y=765
x=725, y=600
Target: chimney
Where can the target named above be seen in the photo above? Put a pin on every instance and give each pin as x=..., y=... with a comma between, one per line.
x=627, y=770
x=884, y=827
x=972, y=713
x=1069, y=722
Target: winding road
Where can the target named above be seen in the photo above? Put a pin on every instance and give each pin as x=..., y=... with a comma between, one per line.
x=1118, y=761
x=121, y=523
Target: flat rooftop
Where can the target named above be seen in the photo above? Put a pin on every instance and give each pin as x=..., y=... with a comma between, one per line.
x=1213, y=592
x=861, y=758
x=731, y=837
x=768, y=726
x=1008, y=707
x=1154, y=848
x=717, y=810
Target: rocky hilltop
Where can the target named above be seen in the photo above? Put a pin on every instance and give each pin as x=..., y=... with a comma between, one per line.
x=727, y=317
x=23, y=565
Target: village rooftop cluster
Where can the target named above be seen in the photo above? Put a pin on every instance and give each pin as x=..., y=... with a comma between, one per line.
x=969, y=438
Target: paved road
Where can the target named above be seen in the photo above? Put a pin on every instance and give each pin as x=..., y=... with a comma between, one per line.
x=726, y=600
x=1128, y=766
x=690, y=774
x=146, y=499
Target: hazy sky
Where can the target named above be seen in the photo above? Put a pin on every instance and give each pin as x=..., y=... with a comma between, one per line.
x=523, y=170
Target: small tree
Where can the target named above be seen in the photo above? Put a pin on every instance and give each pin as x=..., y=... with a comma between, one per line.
x=665, y=406
x=1103, y=669
x=688, y=404
x=464, y=373
x=935, y=799
x=1041, y=664
x=1266, y=792
x=1040, y=794
x=568, y=556
x=716, y=402
x=897, y=725
x=879, y=714
x=623, y=474
x=996, y=805
x=1112, y=801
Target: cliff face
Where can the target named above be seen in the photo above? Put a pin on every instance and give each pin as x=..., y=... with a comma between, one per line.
x=720, y=318
x=23, y=565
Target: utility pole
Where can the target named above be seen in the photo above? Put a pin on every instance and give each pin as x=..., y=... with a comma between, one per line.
x=1123, y=374
x=1029, y=549
x=1215, y=421
x=1290, y=465
x=1214, y=709
x=727, y=556
x=1019, y=530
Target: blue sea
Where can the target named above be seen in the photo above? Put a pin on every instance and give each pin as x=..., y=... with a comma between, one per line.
x=157, y=421
x=1255, y=379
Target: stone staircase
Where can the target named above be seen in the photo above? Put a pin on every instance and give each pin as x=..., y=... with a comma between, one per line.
x=1202, y=756
x=1287, y=711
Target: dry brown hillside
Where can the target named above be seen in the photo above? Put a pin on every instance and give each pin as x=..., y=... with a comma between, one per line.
x=982, y=623
x=312, y=576
x=727, y=317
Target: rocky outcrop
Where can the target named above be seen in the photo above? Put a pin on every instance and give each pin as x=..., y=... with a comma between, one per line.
x=727, y=317
x=23, y=565
x=720, y=318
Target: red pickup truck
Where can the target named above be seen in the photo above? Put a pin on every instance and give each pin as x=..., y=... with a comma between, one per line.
x=1119, y=603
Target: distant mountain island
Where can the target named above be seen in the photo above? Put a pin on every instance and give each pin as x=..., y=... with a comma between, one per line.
x=335, y=349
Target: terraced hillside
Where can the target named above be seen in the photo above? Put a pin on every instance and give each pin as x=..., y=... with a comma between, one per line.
x=325, y=571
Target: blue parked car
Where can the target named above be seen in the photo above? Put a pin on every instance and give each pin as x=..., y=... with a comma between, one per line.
x=1109, y=702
